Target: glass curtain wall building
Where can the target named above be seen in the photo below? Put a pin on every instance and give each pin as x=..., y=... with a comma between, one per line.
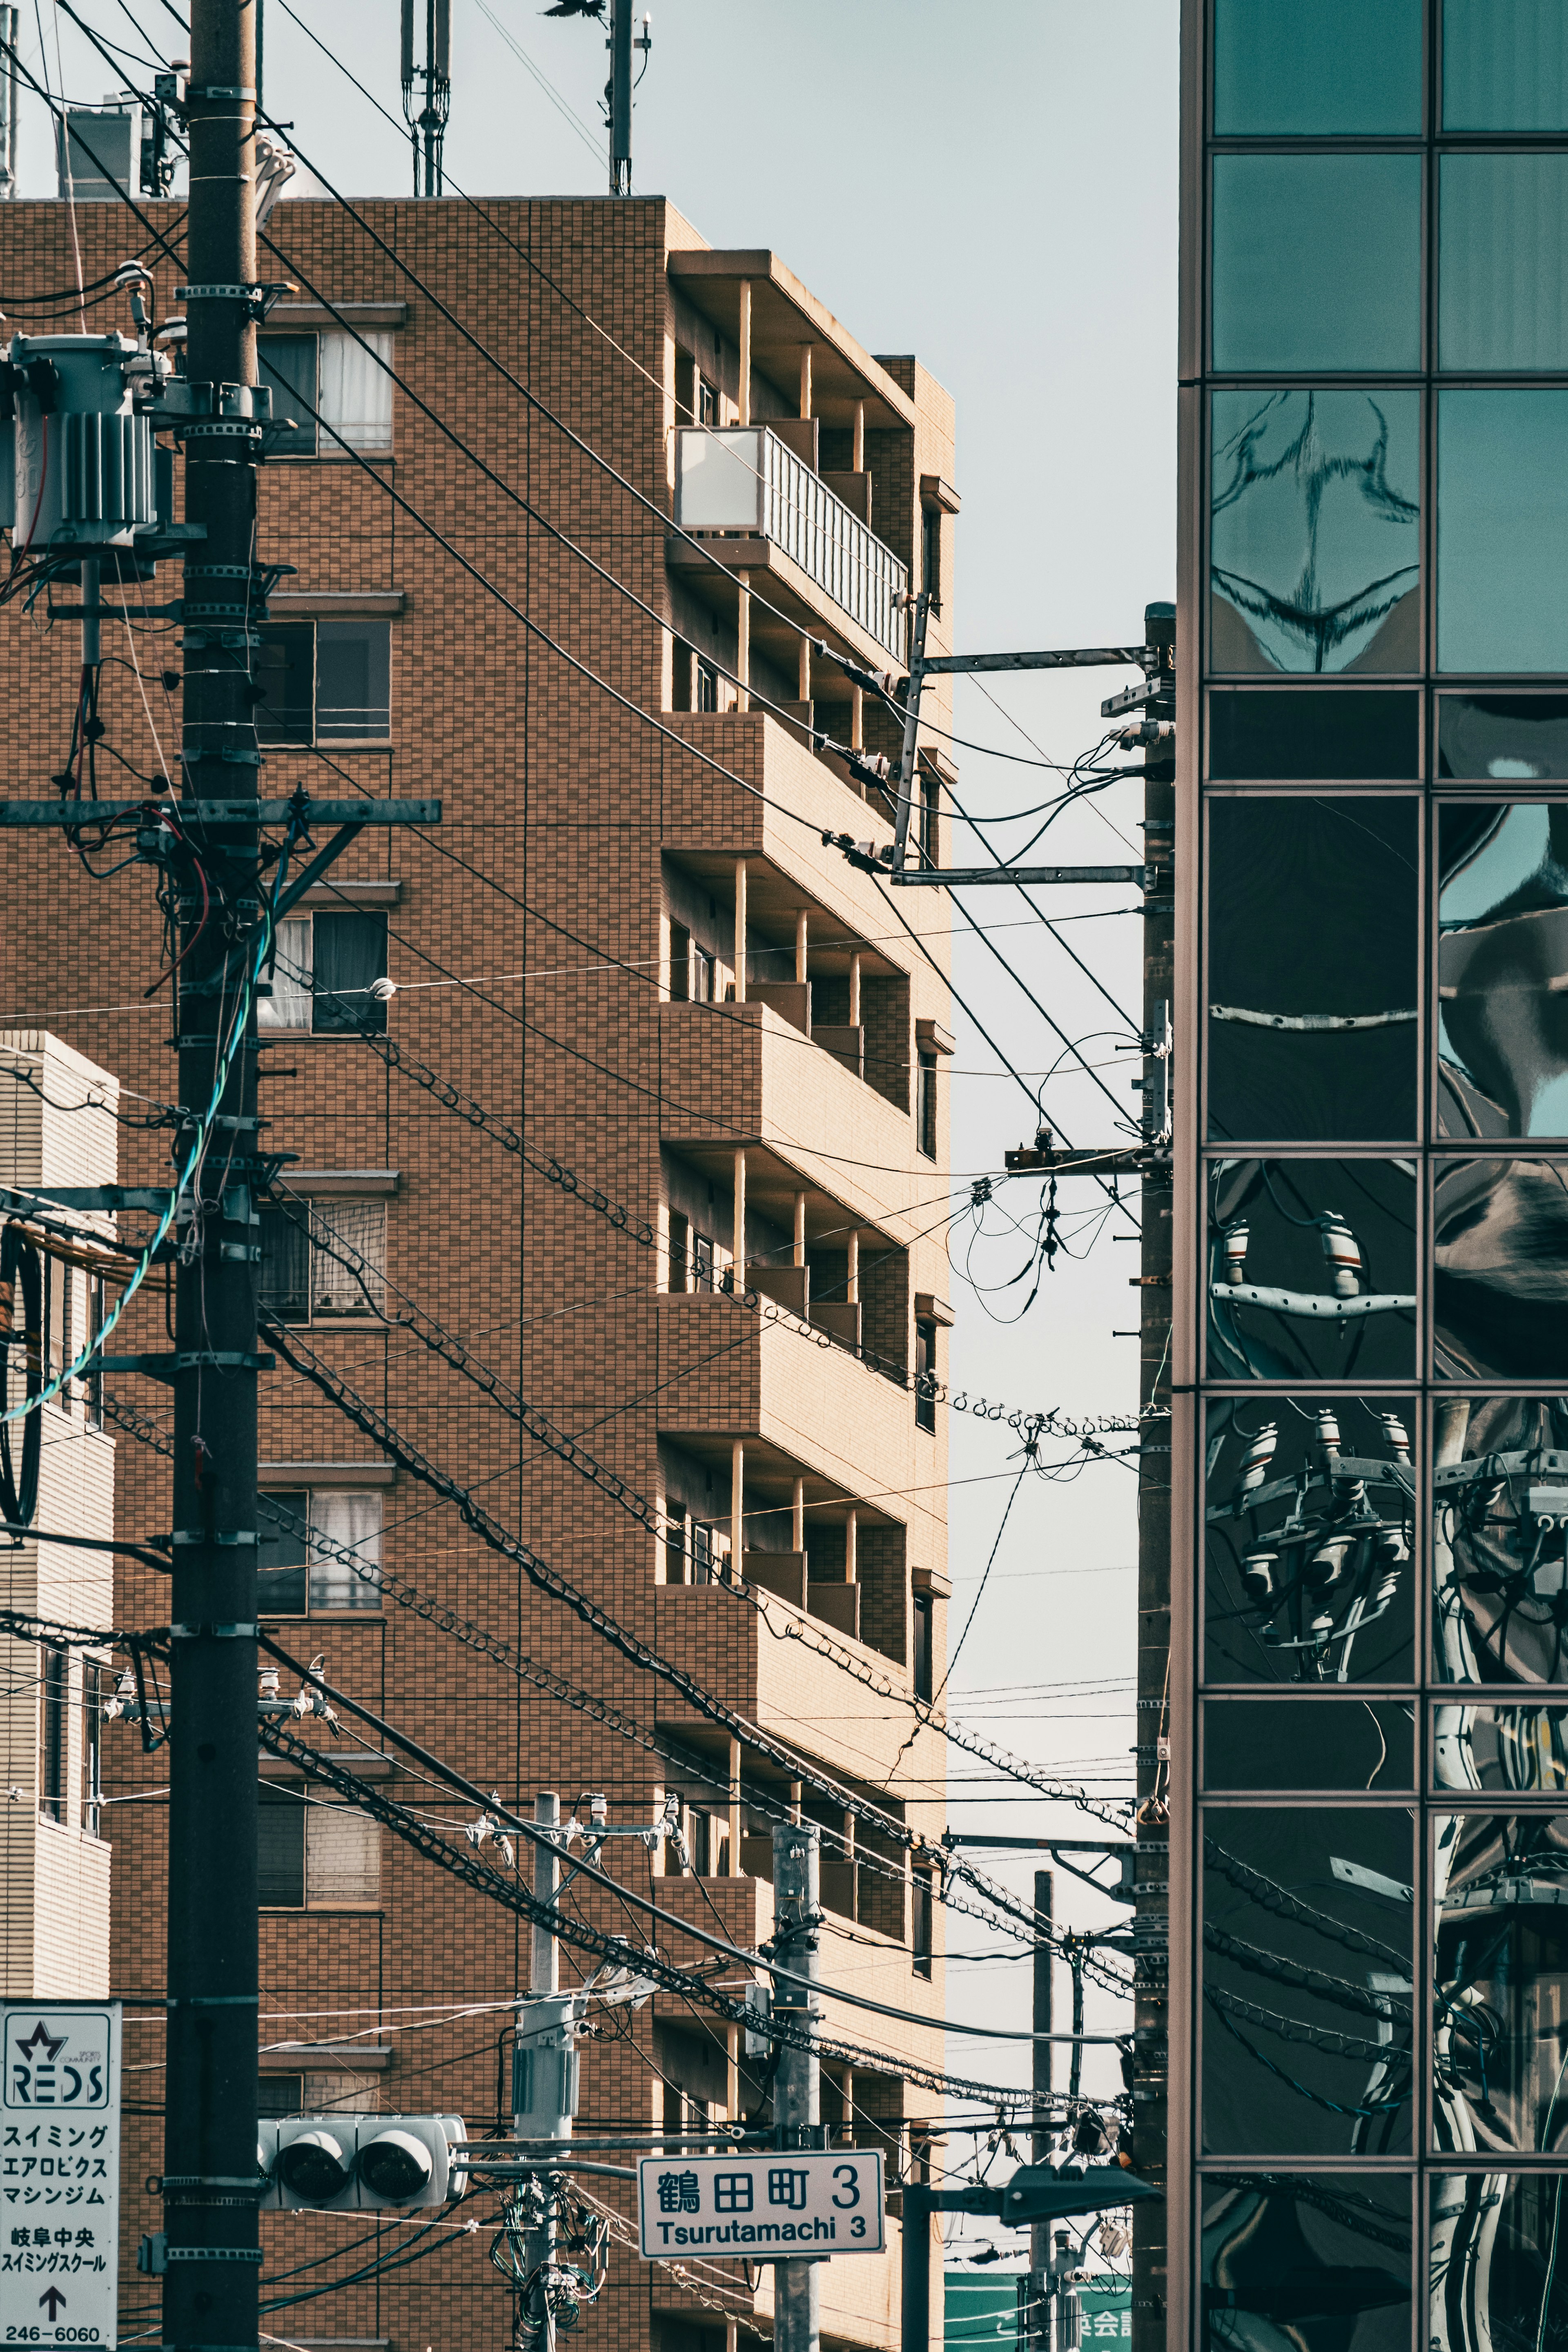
x=1369, y=2110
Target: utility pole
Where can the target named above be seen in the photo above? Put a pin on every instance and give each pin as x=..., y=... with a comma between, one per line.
x=1038, y=2333
x=9, y=107
x=209, y=2181
x=797, y=2102
x=427, y=128
x=1151, y=1915
x=544, y=2083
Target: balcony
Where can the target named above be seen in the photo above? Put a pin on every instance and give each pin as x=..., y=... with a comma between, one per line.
x=744, y=480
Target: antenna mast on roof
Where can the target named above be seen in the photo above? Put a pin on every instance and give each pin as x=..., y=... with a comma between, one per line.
x=427, y=129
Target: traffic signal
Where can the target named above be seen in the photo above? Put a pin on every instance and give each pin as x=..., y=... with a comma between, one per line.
x=338, y=2163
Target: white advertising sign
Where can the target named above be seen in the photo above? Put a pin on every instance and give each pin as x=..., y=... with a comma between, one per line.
x=59, y=2171
x=762, y=2206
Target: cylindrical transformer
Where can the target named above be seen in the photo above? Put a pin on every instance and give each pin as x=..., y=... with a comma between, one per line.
x=1260, y=1454
x=84, y=459
x=1236, y=1240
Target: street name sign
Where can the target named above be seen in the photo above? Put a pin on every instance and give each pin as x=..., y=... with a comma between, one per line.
x=764, y=2206
x=59, y=2171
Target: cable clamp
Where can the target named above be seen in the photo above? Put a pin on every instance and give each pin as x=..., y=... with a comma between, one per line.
x=235, y=759
x=224, y=1359
x=218, y=1633
x=226, y=1535
x=220, y=293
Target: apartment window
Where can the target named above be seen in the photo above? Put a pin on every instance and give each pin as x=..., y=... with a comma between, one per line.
x=314, y=1855
x=300, y=1575
x=679, y=1251
x=701, y=1261
x=92, y=1748
x=337, y=378
x=680, y=964
x=922, y=1644
x=925, y=1103
x=920, y=1924
x=304, y=1246
x=702, y=976
x=323, y=969
x=54, y=1748
x=706, y=696
x=323, y=681
x=925, y=1376
x=279, y=2094
x=58, y=1303
x=92, y=1384
x=930, y=554
x=702, y=1556
x=930, y=808
x=707, y=403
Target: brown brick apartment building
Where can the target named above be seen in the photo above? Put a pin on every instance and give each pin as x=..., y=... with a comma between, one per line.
x=648, y=965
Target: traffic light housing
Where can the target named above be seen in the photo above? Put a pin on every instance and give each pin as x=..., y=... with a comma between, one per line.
x=350, y=2163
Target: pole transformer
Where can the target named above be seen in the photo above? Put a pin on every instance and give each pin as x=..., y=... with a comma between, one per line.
x=1150, y=1914
x=210, y=2180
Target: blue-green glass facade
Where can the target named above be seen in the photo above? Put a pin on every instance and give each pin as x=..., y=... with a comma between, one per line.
x=1369, y=2097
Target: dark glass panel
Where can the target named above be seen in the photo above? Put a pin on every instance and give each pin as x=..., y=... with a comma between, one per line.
x=1319, y=1743
x=1502, y=298
x=280, y=1558
x=1498, y=2278
x=285, y=1285
x=280, y=1841
x=1318, y=66
x=1313, y=952
x=1503, y=963
x=1319, y=2265
x=1505, y=65
x=286, y=364
x=1500, y=1983
x=1500, y=1509
x=1509, y=1748
x=1309, y=1527
x=350, y=954
x=1307, y=2014
x=1317, y=263
x=1311, y=1269
x=1314, y=548
x=1499, y=1283
x=285, y=678
x=353, y=679
x=1502, y=530
x=1318, y=733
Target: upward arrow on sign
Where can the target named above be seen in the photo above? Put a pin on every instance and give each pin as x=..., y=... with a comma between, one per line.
x=53, y=2301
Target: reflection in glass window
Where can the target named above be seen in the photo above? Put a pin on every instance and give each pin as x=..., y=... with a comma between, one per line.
x=1323, y=1743
x=1502, y=530
x=1505, y=65
x=1500, y=1283
x=1502, y=735
x=1308, y=1914
x=1309, y=1535
x=1500, y=1982
x=1315, y=733
x=1316, y=262
x=1311, y=1269
x=1309, y=2263
x=1314, y=547
x=1314, y=942
x=1494, y=2278
x=1502, y=298
x=1500, y=1509
x=1502, y=911
x=1319, y=66
x=1509, y=1748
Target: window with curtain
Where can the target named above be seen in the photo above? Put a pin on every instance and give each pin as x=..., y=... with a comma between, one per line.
x=349, y=1519
x=289, y=1007
x=356, y=1230
x=356, y=390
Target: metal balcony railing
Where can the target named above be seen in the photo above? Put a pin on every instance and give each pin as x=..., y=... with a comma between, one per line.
x=746, y=478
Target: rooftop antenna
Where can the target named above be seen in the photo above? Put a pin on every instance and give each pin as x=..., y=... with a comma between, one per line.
x=427, y=129
x=618, y=90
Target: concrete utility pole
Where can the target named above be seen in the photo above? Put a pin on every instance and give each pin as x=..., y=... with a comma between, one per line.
x=8, y=108
x=544, y=2079
x=1151, y=1917
x=209, y=2181
x=1038, y=2333
x=797, y=2101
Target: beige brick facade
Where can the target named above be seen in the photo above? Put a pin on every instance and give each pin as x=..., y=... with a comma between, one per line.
x=531, y=937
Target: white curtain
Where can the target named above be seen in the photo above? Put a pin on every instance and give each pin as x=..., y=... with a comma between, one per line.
x=359, y=1228
x=349, y=1515
x=289, y=1007
x=356, y=395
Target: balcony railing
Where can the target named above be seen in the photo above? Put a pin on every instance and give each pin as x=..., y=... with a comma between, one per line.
x=746, y=478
